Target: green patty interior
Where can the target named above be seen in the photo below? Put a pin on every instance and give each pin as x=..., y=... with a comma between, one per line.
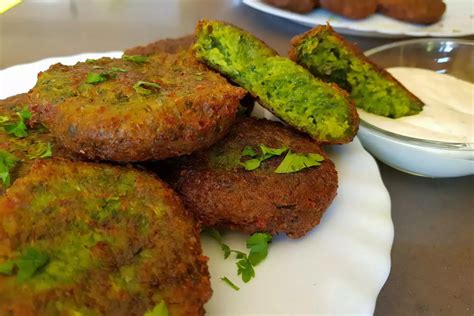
x=287, y=89
x=331, y=60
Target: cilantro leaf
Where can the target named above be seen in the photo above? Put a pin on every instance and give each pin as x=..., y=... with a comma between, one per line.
x=251, y=164
x=31, y=261
x=138, y=59
x=7, y=267
x=294, y=162
x=159, y=310
x=19, y=129
x=258, y=245
x=230, y=283
x=245, y=269
x=95, y=78
x=145, y=88
x=7, y=162
x=42, y=151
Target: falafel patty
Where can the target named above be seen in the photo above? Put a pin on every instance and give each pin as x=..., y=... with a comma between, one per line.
x=168, y=45
x=92, y=239
x=310, y=105
x=222, y=194
x=17, y=152
x=136, y=108
x=352, y=9
x=299, y=6
x=416, y=11
x=329, y=56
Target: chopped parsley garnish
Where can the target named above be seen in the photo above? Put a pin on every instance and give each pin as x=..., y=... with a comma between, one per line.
x=139, y=59
x=117, y=69
x=95, y=78
x=257, y=158
x=258, y=245
x=159, y=310
x=7, y=162
x=27, y=264
x=145, y=88
x=230, y=283
x=42, y=150
x=19, y=128
x=294, y=162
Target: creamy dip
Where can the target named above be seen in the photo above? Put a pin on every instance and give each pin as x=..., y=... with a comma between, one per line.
x=448, y=114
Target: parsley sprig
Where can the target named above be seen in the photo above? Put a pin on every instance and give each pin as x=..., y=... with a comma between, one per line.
x=258, y=250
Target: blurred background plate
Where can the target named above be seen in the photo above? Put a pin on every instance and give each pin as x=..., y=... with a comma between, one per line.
x=458, y=20
x=338, y=268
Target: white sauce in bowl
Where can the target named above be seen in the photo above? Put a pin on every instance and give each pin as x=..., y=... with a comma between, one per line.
x=448, y=114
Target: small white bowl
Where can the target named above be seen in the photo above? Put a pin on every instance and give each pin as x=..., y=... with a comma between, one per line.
x=413, y=155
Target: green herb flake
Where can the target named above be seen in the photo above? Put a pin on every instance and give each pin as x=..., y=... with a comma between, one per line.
x=138, y=59
x=29, y=263
x=7, y=162
x=251, y=164
x=245, y=269
x=159, y=310
x=258, y=245
x=230, y=283
x=116, y=69
x=271, y=152
x=6, y=267
x=4, y=119
x=294, y=162
x=90, y=61
x=19, y=128
x=248, y=151
x=42, y=151
x=145, y=88
x=95, y=78
x=266, y=153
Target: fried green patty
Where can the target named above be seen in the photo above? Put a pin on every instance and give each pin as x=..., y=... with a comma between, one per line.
x=91, y=239
x=136, y=108
x=328, y=56
x=19, y=150
x=285, y=88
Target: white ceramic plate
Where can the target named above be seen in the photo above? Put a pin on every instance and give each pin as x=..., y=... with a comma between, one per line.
x=338, y=268
x=458, y=20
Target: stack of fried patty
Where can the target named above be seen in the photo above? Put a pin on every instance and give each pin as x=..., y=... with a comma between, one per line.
x=86, y=230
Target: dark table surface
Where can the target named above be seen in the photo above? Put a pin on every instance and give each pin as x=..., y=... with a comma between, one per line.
x=433, y=251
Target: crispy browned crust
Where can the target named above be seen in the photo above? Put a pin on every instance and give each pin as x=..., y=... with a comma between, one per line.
x=352, y=9
x=259, y=200
x=169, y=45
x=357, y=53
x=417, y=11
x=100, y=132
x=299, y=6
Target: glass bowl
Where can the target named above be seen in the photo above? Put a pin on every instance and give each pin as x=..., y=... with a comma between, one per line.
x=414, y=155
